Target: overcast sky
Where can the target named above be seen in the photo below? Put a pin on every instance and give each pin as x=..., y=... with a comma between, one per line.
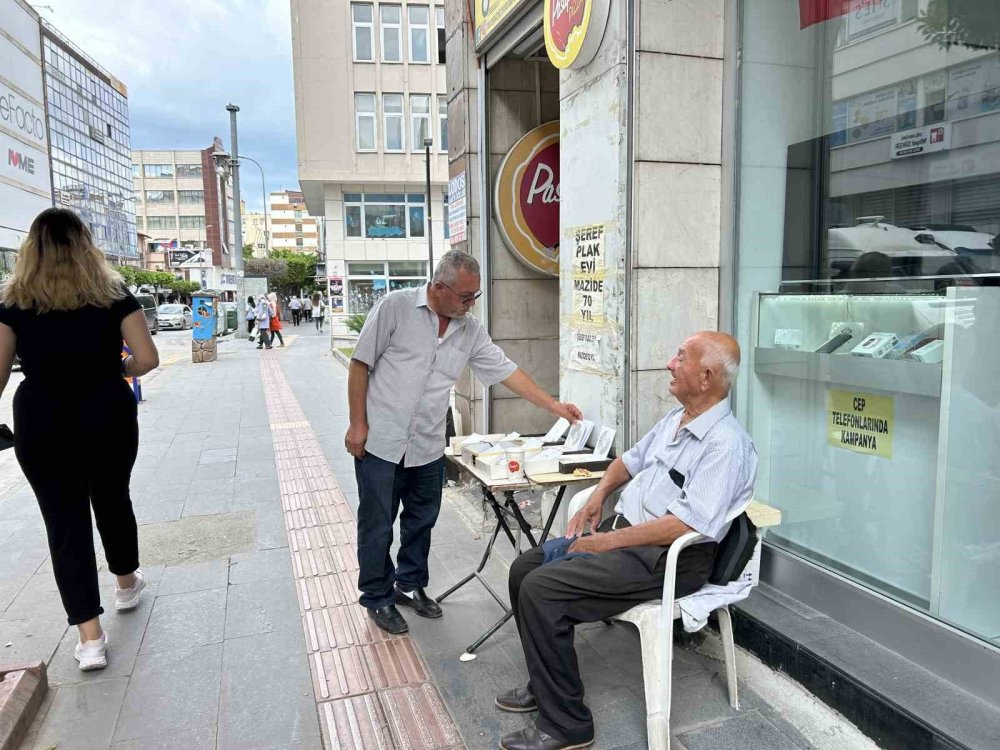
x=183, y=61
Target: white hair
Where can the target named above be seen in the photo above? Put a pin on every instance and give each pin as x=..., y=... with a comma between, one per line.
x=721, y=361
x=448, y=266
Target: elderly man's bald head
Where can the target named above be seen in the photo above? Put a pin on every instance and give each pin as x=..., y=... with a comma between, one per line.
x=720, y=351
x=704, y=368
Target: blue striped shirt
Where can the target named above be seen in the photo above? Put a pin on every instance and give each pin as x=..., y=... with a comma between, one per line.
x=714, y=464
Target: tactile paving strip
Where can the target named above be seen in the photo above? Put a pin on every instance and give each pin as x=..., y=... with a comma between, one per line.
x=373, y=690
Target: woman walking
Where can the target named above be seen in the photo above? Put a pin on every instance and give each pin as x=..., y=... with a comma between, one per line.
x=272, y=299
x=251, y=317
x=75, y=407
x=263, y=323
x=307, y=309
x=319, y=311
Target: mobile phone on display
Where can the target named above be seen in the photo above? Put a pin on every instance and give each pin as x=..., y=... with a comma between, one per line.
x=833, y=344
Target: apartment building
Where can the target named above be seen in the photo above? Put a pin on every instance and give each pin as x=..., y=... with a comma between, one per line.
x=292, y=228
x=370, y=89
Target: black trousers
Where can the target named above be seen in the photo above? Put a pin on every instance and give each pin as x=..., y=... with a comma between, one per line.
x=296, y=316
x=549, y=600
x=382, y=486
x=77, y=452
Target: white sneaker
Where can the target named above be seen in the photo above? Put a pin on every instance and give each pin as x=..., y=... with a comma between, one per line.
x=92, y=654
x=129, y=598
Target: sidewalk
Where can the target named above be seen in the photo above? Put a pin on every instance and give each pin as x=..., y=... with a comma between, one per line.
x=250, y=636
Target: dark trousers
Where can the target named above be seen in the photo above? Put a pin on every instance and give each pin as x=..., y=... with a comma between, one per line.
x=382, y=486
x=250, y=325
x=94, y=439
x=549, y=600
x=296, y=316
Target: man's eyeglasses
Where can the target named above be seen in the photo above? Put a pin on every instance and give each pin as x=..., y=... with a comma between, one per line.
x=465, y=298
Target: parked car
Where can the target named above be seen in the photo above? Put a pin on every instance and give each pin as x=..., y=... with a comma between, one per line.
x=175, y=316
x=149, y=309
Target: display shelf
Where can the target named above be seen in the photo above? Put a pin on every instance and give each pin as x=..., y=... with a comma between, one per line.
x=895, y=375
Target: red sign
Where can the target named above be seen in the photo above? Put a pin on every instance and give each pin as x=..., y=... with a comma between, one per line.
x=526, y=199
x=816, y=11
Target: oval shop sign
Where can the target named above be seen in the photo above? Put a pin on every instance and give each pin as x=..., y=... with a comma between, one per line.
x=526, y=199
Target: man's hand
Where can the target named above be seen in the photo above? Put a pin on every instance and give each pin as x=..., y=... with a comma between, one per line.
x=595, y=544
x=354, y=441
x=588, y=515
x=567, y=411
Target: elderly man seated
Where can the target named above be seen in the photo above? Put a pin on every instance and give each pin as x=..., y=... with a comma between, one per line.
x=688, y=473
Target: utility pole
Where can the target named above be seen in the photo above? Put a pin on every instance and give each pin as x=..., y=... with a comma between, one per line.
x=428, y=142
x=237, y=216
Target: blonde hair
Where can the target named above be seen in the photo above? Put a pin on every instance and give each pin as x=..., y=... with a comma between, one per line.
x=59, y=268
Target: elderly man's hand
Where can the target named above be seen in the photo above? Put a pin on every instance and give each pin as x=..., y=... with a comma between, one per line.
x=567, y=411
x=595, y=544
x=355, y=439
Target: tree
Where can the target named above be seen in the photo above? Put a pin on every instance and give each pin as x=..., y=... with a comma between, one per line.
x=966, y=23
x=288, y=272
x=247, y=251
x=356, y=322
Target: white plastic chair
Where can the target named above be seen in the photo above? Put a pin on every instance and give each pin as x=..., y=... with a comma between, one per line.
x=656, y=634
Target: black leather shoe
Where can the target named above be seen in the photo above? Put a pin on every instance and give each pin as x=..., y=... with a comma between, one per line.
x=516, y=701
x=389, y=619
x=532, y=739
x=422, y=604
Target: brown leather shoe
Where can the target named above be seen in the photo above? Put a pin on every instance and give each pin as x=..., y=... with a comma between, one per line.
x=516, y=701
x=532, y=739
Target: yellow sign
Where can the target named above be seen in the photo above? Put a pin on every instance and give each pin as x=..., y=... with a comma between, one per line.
x=860, y=422
x=574, y=30
x=588, y=273
x=491, y=14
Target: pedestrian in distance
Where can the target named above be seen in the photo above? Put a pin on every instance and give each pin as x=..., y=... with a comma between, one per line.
x=296, y=307
x=414, y=345
x=319, y=311
x=251, y=317
x=307, y=309
x=272, y=299
x=264, y=323
x=85, y=417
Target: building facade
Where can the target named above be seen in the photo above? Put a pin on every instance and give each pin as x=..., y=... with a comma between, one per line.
x=90, y=145
x=256, y=231
x=186, y=209
x=292, y=228
x=370, y=88
x=820, y=179
x=25, y=177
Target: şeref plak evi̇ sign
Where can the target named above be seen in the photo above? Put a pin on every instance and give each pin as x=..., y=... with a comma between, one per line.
x=860, y=422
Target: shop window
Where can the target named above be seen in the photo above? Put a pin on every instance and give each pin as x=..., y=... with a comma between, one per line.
x=367, y=283
x=392, y=122
x=364, y=121
x=441, y=40
x=443, y=124
x=420, y=120
x=418, y=20
x=362, y=19
x=383, y=216
x=392, y=43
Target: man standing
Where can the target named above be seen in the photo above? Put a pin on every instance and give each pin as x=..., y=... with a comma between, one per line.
x=296, y=307
x=413, y=347
x=695, y=467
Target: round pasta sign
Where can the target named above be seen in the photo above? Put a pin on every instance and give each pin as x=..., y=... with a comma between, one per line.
x=526, y=199
x=574, y=30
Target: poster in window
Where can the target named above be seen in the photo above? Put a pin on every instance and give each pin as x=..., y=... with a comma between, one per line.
x=872, y=115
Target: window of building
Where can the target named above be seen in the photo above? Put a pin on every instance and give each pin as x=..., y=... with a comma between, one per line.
x=190, y=196
x=161, y=222
x=383, y=215
x=159, y=196
x=443, y=123
x=364, y=121
x=139, y=223
x=420, y=120
x=392, y=122
x=441, y=41
x=192, y=222
x=444, y=213
x=189, y=171
x=136, y=168
x=158, y=170
x=367, y=283
x=419, y=24
x=363, y=20
x=392, y=42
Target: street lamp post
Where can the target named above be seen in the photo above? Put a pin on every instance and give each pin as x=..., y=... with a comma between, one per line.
x=263, y=195
x=237, y=217
x=428, y=142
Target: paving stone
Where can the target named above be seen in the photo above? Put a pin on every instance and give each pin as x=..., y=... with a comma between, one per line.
x=39, y=598
x=340, y=673
x=202, y=738
x=356, y=723
x=82, y=717
x=211, y=471
x=172, y=692
x=331, y=628
x=262, y=565
x=207, y=503
x=181, y=579
x=253, y=493
x=267, y=699
x=265, y=606
x=255, y=469
x=748, y=732
x=34, y=639
x=183, y=620
x=419, y=719
x=197, y=539
x=703, y=697
x=158, y=511
x=217, y=455
x=394, y=663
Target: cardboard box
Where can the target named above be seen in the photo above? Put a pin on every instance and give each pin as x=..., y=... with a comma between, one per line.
x=875, y=345
x=568, y=464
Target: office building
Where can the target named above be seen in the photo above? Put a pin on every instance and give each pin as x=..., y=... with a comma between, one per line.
x=292, y=228
x=256, y=228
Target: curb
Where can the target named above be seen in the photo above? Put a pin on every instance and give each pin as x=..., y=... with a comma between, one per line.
x=22, y=688
x=340, y=357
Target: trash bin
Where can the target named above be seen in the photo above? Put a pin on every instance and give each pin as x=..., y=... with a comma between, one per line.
x=204, y=309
